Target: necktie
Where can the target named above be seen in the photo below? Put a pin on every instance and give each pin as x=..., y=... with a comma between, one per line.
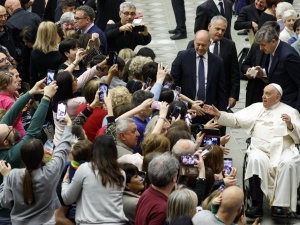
x=201, y=80
x=270, y=62
x=216, y=48
x=222, y=8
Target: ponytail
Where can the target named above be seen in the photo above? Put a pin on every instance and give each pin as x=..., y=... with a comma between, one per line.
x=28, y=188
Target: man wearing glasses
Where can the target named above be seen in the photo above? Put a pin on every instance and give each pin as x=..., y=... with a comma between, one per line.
x=84, y=21
x=123, y=34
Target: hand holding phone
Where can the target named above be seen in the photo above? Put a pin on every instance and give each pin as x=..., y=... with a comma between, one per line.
x=175, y=112
x=139, y=28
x=148, y=82
x=188, y=159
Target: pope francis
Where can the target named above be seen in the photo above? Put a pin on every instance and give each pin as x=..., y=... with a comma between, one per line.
x=273, y=165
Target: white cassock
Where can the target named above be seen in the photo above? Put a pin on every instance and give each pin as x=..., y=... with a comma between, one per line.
x=272, y=154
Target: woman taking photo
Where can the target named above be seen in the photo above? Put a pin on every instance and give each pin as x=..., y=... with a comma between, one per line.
x=31, y=191
x=97, y=187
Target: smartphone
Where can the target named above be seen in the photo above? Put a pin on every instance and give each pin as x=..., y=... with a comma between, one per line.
x=61, y=111
x=208, y=140
x=156, y=105
x=175, y=112
x=188, y=159
x=50, y=76
x=207, y=150
x=212, y=132
x=137, y=22
x=167, y=85
x=90, y=46
x=142, y=174
x=227, y=165
x=112, y=58
x=177, y=93
x=103, y=89
x=222, y=187
x=148, y=82
x=139, y=28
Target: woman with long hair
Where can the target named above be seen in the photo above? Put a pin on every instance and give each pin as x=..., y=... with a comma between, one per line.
x=31, y=191
x=97, y=186
x=45, y=55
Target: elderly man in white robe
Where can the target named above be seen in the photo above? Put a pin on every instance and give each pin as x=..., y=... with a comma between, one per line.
x=273, y=165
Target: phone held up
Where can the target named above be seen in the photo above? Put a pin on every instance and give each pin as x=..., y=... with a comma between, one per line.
x=61, y=111
x=112, y=58
x=103, y=89
x=50, y=76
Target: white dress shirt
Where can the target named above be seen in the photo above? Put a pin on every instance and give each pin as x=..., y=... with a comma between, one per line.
x=205, y=61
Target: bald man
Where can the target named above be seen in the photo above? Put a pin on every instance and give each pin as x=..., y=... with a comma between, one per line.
x=273, y=164
x=230, y=207
x=17, y=22
x=200, y=74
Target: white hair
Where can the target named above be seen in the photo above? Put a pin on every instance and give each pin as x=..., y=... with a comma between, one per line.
x=281, y=8
x=288, y=13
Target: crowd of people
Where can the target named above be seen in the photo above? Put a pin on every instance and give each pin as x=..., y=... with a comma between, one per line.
x=92, y=132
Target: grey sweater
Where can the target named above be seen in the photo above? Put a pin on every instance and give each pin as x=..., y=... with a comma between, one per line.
x=96, y=204
x=45, y=180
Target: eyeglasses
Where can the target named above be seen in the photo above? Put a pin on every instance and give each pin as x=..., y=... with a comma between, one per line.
x=78, y=18
x=129, y=13
x=3, y=59
x=4, y=16
x=10, y=130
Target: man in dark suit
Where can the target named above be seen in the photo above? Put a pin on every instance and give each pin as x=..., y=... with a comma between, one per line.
x=282, y=65
x=207, y=10
x=225, y=49
x=179, y=12
x=200, y=74
x=84, y=21
x=249, y=16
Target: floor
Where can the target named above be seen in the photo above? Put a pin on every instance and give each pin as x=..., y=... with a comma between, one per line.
x=159, y=17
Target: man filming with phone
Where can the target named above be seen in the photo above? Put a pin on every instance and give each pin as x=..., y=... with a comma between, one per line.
x=126, y=34
x=273, y=161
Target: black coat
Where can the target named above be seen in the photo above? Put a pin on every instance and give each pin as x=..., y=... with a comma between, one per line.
x=247, y=14
x=207, y=10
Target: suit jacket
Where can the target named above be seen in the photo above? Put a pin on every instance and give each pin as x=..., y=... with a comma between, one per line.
x=255, y=87
x=207, y=10
x=285, y=71
x=247, y=15
x=184, y=74
x=231, y=67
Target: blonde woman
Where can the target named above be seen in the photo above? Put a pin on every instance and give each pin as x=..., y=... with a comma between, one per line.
x=182, y=202
x=45, y=55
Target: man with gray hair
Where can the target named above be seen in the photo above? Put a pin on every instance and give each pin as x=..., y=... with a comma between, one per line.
x=127, y=136
x=183, y=147
x=273, y=163
x=152, y=206
x=124, y=34
x=84, y=21
x=282, y=65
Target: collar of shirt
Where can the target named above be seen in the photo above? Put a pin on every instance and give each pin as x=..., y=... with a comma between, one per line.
x=212, y=45
x=205, y=56
x=217, y=4
x=88, y=28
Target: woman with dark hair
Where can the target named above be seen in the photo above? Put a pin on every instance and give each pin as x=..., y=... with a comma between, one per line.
x=28, y=35
x=133, y=189
x=31, y=191
x=99, y=181
x=70, y=85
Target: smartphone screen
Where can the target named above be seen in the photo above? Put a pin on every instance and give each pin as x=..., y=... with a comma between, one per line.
x=61, y=111
x=227, y=165
x=188, y=159
x=103, y=89
x=50, y=76
x=167, y=85
x=208, y=140
x=143, y=175
x=156, y=105
x=175, y=112
x=177, y=93
x=148, y=82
